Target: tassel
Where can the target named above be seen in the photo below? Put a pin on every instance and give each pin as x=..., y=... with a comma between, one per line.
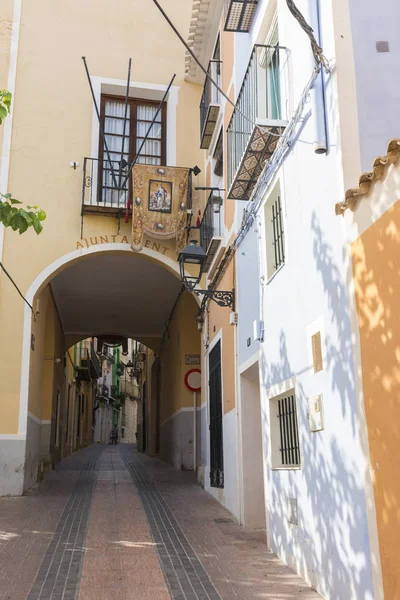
x=198, y=222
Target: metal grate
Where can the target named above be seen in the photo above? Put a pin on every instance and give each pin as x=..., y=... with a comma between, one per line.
x=278, y=233
x=216, y=431
x=289, y=433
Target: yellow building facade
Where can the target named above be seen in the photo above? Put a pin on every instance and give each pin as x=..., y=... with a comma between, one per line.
x=51, y=129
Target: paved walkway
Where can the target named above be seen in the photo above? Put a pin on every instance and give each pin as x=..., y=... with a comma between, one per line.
x=112, y=524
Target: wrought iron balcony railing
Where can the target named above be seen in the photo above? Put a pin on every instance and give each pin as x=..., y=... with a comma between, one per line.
x=104, y=194
x=239, y=15
x=211, y=228
x=210, y=104
x=130, y=388
x=87, y=363
x=259, y=119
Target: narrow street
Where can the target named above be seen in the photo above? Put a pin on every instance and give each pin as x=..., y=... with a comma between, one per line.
x=110, y=523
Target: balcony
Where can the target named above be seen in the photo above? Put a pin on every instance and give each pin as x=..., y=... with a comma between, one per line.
x=239, y=15
x=259, y=119
x=130, y=388
x=88, y=366
x=210, y=104
x=103, y=194
x=211, y=230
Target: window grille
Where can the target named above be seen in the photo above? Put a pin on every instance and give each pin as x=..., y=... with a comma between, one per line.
x=288, y=430
x=278, y=234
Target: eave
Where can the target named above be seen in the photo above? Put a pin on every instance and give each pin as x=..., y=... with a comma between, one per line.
x=203, y=31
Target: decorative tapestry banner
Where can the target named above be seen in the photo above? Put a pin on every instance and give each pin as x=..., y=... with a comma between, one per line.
x=160, y=202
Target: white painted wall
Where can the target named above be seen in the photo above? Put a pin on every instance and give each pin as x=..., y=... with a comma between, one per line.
x=228, y=495
x=378, y=87
x=330, y=546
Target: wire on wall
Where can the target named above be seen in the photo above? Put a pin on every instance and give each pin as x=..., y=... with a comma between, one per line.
x=171, y=315
x=15, y=285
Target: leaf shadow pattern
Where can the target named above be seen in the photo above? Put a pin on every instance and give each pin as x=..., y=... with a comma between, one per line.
x=329, y=547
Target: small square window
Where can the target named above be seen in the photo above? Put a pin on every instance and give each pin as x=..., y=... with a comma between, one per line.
x=275, y=234
x=285, y=447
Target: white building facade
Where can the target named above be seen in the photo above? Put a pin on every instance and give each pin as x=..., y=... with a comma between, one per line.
x=295, y=447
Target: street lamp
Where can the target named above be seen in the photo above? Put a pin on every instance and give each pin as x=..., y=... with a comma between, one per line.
x=191, y=255
x=195, y=256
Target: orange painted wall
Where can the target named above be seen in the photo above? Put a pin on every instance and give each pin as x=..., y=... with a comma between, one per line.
x=228, y=55
x=376, y=269
x=219, y=319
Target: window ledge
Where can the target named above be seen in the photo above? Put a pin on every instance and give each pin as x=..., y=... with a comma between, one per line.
x=293, y=468
x=279, y=269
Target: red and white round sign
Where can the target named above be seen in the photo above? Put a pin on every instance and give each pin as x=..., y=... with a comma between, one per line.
x=193, y=380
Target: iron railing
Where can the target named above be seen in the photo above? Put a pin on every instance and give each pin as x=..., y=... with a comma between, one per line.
x=211, y=223
x=259, y=101
x=98, y=186
x=87, y=360
x=130, y=388
x=211, y=95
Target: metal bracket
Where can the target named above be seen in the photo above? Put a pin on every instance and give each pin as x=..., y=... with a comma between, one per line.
x=222, y=298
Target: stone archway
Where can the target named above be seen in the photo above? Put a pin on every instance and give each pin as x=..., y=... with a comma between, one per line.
x=80, y=260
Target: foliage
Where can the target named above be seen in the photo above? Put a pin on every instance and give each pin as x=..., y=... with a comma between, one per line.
x=19, y=219
x=5, y=104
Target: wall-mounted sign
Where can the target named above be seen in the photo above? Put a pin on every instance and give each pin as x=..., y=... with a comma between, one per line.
x=192, y=359
x=317, y=352
x=118, y=239
x=193, y=380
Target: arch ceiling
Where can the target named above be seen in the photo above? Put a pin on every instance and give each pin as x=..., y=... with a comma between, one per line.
x=123, y=294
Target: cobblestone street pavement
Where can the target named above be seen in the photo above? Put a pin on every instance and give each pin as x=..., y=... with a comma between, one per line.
x=110, y=523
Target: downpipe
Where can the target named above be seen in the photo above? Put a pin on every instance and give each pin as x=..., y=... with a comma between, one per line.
x=318, y=104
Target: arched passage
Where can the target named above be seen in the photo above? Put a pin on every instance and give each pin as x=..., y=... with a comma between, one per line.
x=107, y=291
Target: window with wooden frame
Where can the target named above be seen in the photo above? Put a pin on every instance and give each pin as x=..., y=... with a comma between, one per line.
x=114, y=191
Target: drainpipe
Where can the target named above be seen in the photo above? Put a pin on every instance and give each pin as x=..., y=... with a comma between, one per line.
x=320, y=138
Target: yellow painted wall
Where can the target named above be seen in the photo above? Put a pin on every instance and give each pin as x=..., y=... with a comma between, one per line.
x=5, y=38
x=184, y=338
x=376, y=269
x=53, y=126
x=218, y=319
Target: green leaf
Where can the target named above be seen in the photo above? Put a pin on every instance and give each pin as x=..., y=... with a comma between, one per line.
x=3, y=112
x=29, y=218
x=37, y=226
x=14, y=201
x=41, y=215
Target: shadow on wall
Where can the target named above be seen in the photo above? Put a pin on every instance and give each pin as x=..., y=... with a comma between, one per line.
x=330, y=545
x=376, y=268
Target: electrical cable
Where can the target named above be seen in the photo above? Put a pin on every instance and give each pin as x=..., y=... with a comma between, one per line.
x=168, y=321
x=316, y=48
x=15, y=285
x=208, y=76
x=267, y=175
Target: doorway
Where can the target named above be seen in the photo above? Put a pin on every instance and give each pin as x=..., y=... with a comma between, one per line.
x=216, y=431
x=253, y=509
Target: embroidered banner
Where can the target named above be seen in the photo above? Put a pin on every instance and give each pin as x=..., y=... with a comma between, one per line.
x=159, y=206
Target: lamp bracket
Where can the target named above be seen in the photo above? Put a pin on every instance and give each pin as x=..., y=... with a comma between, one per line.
x=222, y=298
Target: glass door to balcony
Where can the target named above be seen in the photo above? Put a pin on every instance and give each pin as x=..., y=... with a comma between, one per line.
x=274, y=84
x=124, y=138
